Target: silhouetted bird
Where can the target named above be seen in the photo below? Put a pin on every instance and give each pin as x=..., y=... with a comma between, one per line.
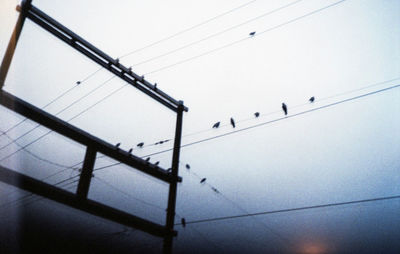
x=130, y=69
x=312, y=99
x=140, y=144
x=157, y=162
x=233, y=122
x=117, y=145
x=215, y=189
x=155, y=86
x=203, y=180
x=117, y=60
x=78, y=82
x=216, y=125
x=257, y=114
x=187, y=166
x=148, y=159
x=284, y=107
x=130, y=150
x=252, y=33
x=183, y=222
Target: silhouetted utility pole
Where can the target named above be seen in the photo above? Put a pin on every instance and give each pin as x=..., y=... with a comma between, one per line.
x=93, y=144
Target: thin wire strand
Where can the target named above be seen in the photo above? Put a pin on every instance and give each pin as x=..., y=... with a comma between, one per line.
x=293, y=209
x=216, y=34
x=45, y=106
x=171, y=36
x=243, y=39
x=62, y=110
x=187, y=29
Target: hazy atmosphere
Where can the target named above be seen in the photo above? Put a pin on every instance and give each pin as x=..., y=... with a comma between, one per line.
x=325, y=178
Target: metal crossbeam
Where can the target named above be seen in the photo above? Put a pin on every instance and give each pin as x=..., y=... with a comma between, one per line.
x=28, y=110
x=90, y=206
x=100, y=57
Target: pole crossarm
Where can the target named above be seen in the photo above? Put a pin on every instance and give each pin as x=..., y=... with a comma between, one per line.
x=90, y=206
x=98, y=56
x=24, y=108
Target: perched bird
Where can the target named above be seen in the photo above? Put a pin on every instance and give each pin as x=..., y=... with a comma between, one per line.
x=187, y=166
x=233, y=122
x=140, y=144
x=284, y=107
x=130, y=69
x=117, y=145
x=130, y=150
x=203, y=180
x=216, y=125
x=257, y=114
x=78, y=82
x=252, y=33
x=157, y=162
x=183, y=221
x=155, y=86
x=117, y=60
x=312, y=99
x=148, y=159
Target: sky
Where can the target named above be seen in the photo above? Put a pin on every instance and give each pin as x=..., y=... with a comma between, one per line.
x=201, y=52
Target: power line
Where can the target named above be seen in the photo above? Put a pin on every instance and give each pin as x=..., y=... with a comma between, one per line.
x=188, y=29
x=45, y=106
x=268, y=122
x=293, y=209
x=243, y=39
x=59, y=112
x=173, y=35
x=218, y=33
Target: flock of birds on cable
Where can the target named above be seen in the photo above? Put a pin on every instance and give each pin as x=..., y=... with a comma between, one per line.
x=216, y=125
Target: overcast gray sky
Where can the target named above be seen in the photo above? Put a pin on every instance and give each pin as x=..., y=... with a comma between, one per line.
x=345, y=152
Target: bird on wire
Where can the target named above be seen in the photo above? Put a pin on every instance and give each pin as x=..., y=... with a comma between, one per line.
x=130, y=150
x=187, y=166
x=257, y=114
x=203, y=180
x=140, y=144
x=157, y=162
x=233, y=122
x=148, y=159
x=252, y=33
x=216, y=125
x=117, y=145
x=312, y=99
x=284, y=108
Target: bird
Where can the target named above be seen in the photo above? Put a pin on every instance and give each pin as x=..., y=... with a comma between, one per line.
x=130, y=150
x=183, y=222
x=78, y=82
x=157, y=162
x=252, y=33
x=233, y=122
x=140, y=144
x=284, y=107
x=216, y=125
x=312, y=99
x=257, y=114
x=203, y=180
x=215, y=189
x=117, y=145
x=130, y=69
x=187, y=166
x=155, y=86
x=148, y=159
